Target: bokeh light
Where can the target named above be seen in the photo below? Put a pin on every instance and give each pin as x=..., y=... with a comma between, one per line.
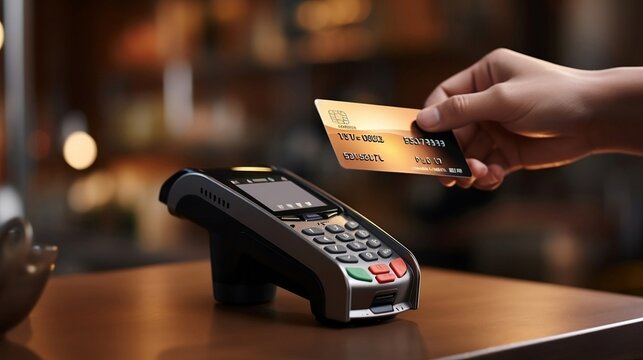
x=80, y=150
x=1, y=35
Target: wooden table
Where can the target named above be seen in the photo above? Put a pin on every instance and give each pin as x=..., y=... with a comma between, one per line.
x=167, y=312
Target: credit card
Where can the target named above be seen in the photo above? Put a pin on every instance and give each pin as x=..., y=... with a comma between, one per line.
x=386, y=138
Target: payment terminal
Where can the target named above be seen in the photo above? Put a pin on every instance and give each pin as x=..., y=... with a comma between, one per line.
x=268, y=227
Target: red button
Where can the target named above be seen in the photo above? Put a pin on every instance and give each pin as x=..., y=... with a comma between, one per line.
x=385, y=278
x=399, y=267
x=378, y=269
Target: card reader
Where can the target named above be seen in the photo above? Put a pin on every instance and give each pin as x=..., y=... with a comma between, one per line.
x=268, y=227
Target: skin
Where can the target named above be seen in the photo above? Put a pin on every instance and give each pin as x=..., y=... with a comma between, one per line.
x=511, y=112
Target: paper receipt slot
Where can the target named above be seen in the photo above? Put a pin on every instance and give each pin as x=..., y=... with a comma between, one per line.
x=269, y=227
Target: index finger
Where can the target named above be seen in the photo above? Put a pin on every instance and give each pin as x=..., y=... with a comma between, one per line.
x=475, y=78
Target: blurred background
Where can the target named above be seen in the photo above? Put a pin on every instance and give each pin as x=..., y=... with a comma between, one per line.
x=101, y=101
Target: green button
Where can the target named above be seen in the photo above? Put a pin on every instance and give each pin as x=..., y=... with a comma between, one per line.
x=359, y=274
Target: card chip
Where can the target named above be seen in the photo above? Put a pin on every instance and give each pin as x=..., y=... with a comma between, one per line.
x=338, y=117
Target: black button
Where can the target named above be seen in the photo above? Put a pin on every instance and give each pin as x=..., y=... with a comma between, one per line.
x=362, y=234
x=374, y=243
x=347, y=259
x=334, y=228
x=351, y=225
x=345, y=237
x=311, y=217
x=385, y=253
x=335, y=249
x=323, y=240
x=356, y=246
x=368, y=256
x=380, y=309
x=313, y=231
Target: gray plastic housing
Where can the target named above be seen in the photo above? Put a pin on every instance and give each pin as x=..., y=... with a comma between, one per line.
x=253, y=248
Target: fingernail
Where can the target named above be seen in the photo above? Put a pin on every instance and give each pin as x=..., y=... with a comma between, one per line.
x=428, y=118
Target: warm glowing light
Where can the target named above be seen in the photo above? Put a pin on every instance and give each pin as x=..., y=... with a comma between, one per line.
x=315, y=15
x=91, y=192
x=251, y=168
x=80, y=150
x=31, y=268
x=1, y=35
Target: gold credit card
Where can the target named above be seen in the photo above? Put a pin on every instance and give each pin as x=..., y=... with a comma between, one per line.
x=386, y=138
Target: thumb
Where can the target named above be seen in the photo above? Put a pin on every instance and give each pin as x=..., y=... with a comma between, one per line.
x=463, y=109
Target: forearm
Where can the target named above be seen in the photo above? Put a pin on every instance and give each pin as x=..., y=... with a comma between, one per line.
x=616, y=110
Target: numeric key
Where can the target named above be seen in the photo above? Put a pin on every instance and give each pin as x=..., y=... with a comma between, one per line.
x=313, y=231
x=334, y=228
x=362, y=234
x=368, y=256
x=335, y=249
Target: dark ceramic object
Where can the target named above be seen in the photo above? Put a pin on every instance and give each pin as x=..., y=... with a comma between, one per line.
x=24, y=270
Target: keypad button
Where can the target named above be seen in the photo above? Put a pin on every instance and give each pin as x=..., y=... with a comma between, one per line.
x=385, y=278
x=374, y=243
x=399, y=267
x=356, y=246
x=313, y=231
x=335, y=249
x=334, y=228
x=323, y=240
x=345, y=237
x=350, y=259
x=351, y=225
x=362, y=234
x=368, y=256
x=359, y=273
x=377, y=269
x=385, y=252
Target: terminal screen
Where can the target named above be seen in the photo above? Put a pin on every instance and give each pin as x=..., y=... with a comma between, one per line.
x=278, y=193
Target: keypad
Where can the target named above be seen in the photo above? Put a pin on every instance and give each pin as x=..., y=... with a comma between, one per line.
x=351, y=244
x=335, y=249
x=349, y=259
x=334, y=228
x=313, y=231
x=358, y=273
x=373, y=243
x=385, y=278
x=351, y=225
x=345, y=237
x=362, y=234
x=357, y=246
x=385, y=252
x=324, y=240
x=399, y=267
x=368, y=256
x=377, y=269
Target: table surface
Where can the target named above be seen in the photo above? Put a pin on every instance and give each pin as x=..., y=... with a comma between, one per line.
x=167, y=312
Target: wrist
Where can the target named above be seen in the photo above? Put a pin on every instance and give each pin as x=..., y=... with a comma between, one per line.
x=616, y=110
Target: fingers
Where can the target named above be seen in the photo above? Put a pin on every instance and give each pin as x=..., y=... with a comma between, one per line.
x=474, y=94
x=487, y=176
x=492, y=180
x=478, y=170
x=475, y=78
x=479, y=146
x=492, y=104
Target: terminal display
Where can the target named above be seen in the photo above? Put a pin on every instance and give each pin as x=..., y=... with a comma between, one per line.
x=278, y=194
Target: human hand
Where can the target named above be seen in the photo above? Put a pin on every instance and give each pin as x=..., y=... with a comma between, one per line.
x=510, y=111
